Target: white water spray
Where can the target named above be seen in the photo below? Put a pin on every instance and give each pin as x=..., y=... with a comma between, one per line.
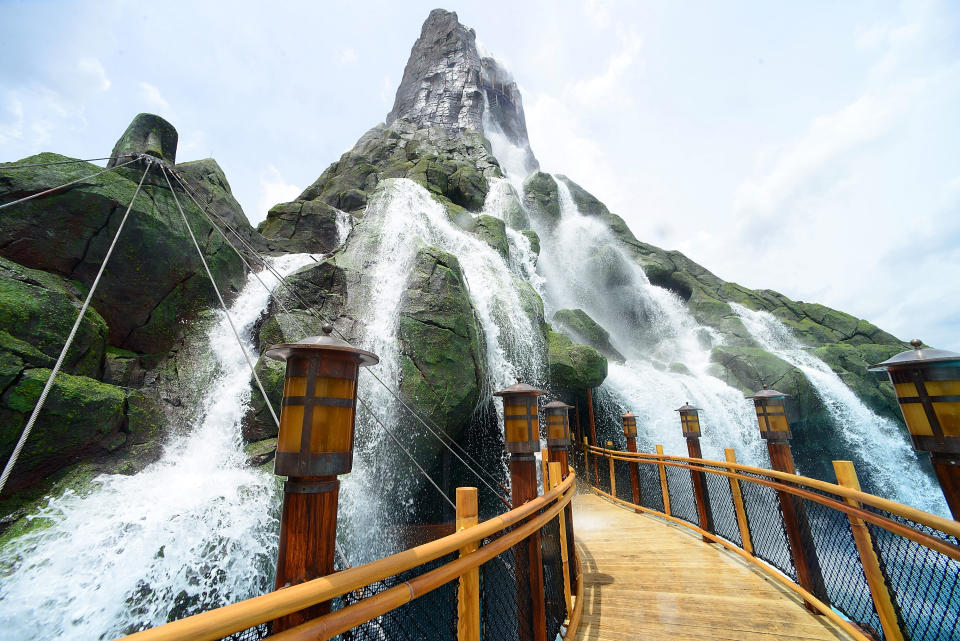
x=883, y=444
x=193, y=531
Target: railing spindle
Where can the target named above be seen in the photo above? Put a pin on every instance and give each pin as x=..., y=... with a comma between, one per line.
x=738, y=507
x=847, y=477
x=468, y=597
x=555, y=476
x=613, y=477
x=663, y=481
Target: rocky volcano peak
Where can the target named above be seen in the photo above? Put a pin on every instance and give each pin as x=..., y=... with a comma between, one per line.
x=447, y=83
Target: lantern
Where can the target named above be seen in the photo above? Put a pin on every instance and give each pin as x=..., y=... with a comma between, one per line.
x=771, y=414
x=558, y=423
x=319, y=402
x=520, y=419
x=629, y=425
x=689, y=420
x=927, y=383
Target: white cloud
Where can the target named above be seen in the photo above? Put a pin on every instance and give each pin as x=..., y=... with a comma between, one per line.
x=273, y=189
x=94, y=72
x=346, y=57
x=610, y=82
x=152, y=96
x=387, y=91
x=599, y=12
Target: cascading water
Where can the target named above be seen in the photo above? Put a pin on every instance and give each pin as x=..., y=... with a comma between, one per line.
x=195, y=530
x=893, y=469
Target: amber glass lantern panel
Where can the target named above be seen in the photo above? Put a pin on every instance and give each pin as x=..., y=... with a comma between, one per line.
x=927, y=393
x=772, y=419
x=690, y=424
x=630, y=426
x=317, y=416
x=521, y=424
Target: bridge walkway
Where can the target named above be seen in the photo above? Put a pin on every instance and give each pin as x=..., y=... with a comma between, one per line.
x=646, y=578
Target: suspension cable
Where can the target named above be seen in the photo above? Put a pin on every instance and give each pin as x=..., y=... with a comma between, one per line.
x=52, y=189
x=59, y=162
x=405, y=451
x=311, y=310
x=8, y=469
x=223, y=304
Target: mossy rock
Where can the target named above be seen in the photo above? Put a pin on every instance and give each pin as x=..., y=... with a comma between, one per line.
x=586, y=203
x=146, y=134
x=37, y=312
x=534, y=240
x=493, y=232
x=542, y=197
x=574, y=366
x=79, y=413
x=261, y=453
x=303, y=226
x=258, y=424
x=578, y=324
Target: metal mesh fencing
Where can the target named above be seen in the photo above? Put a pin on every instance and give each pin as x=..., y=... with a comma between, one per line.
x=924, y=584
x=683, y=503
x=651, y=493
x=723, y=515
x=256, y=633
x=624, y=483
x=766, y=527
x=498, y=597
x=554, y=601
x=603, y=468
x=839, y=561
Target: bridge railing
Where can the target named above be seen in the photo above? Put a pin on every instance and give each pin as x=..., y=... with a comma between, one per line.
x=878, y=568
x=467, y=586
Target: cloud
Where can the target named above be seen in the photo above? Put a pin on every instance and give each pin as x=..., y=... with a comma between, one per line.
x=152, y=96
x=346, y=57
x=273, y=189
x=610, y=82
x=94, y=72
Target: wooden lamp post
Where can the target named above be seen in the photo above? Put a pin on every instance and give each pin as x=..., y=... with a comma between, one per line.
x=314, y=446
x=775, y=429
x=927, y=383
x=630, y=432
x=558, y=434
x=522, y=436
x=690, y=427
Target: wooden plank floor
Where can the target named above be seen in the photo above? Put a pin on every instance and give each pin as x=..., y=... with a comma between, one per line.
x=646, y=578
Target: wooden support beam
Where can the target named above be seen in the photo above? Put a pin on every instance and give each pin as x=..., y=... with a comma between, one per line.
x=586, y=460
x=699, y=488
x=613, y=478
x=747, y=541
x=468, y=597
x=847, y=477
x=593, y=434
x=634, y=473
x=663, y=481
x=556, y=476
x=531, y=608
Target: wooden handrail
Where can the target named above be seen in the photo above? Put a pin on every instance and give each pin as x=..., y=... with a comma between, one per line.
x=931, y=542
x=216, y=624
x=940, y=523
x=330, y=625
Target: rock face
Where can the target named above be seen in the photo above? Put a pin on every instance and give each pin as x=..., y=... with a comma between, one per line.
x=447, y=84
x=584, y=329
x=147, y=134
x=574, y=367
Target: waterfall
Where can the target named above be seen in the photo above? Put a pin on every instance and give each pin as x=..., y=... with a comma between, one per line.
x=883, y=444
x=193, y=531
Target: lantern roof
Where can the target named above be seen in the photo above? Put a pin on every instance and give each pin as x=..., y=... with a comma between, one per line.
x=687, y=407
x=629, y=415
x=556, y=405
x=768, y=393
x=520, y=388
x=915, y=356
x=326, y=342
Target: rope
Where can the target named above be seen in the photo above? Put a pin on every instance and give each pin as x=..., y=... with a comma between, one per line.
x=8, y=469
x=226, y=311
x=405, y=451
x=47, y=191
x=317, y=315
x=60, y=162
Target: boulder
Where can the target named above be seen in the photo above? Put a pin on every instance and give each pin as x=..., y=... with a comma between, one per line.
x=541, y=196
x=493, y=232
x=578, y=324
x=304, y=226
x=534, y=240
x=147, y=134
x=586, y=203
x=574, y=366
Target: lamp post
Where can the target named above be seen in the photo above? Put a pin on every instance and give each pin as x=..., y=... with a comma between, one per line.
x=775, y=429
x=522, y=436
x=558, y=434
x=927, y=383
x=314, y=446
x=690, y=427
x=630, y=432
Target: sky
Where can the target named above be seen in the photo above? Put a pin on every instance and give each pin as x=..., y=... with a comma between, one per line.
x=806, y=147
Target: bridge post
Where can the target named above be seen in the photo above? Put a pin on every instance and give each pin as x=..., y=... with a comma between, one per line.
x=314, y=446
x=556, y=476
x=522, y=436
x=663, y=481
x=613, y=478
x=593, y=435
x=847, y=477
x=468, y=596
x=586, y=461
x=747, y=542
x=774, y=427
x=690, y=424
x=630, y=432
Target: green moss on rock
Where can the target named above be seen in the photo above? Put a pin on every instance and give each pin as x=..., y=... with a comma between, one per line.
x=493, y=232
x=574, y=366
x=579, y=325
x=541, y=196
